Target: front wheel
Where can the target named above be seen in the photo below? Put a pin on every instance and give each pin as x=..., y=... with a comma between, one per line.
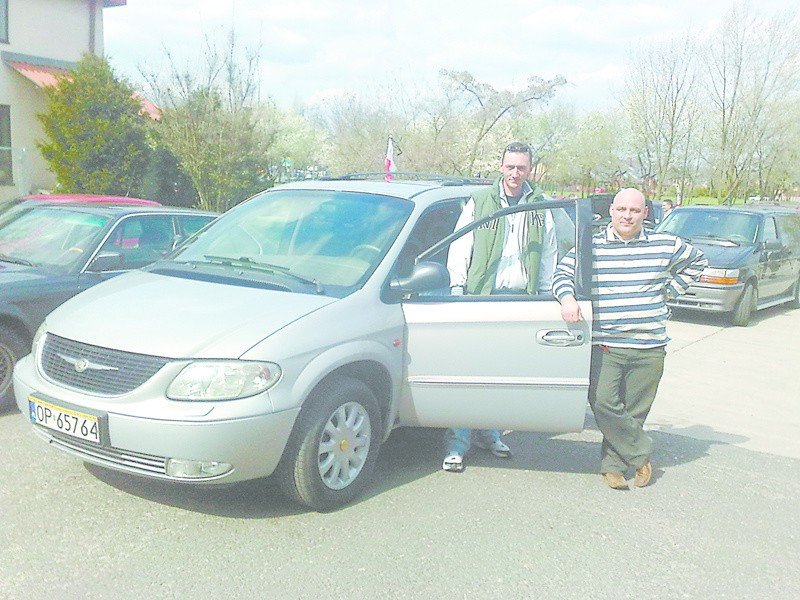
x=333, y=447
x=12, y=348
x=745, y=307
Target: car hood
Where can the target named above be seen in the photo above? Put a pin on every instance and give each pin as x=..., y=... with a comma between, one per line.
x=12, y=273
x=174, y=317
x=724, y=256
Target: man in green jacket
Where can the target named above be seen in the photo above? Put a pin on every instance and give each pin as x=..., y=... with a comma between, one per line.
x=513, y=255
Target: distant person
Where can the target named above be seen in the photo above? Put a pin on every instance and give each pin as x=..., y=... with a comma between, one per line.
x=513, y=255
x=666, y=208
x=634, y=272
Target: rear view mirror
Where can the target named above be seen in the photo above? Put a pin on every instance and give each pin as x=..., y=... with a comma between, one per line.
x=425, y=277
x=107, y=261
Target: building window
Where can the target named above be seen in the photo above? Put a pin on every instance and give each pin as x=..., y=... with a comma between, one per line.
x=4, y=21
x=6, y=175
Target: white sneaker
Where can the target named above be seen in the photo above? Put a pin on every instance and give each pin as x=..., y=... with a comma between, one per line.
x=453, y=462
x=498, y=448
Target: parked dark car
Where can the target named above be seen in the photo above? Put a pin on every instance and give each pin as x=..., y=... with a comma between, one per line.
x=50, y=251
x=753, y=254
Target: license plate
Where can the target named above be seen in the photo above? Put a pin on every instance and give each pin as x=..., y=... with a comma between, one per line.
x=65, y=420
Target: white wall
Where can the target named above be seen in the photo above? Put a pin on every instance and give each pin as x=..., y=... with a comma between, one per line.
x=56, y=29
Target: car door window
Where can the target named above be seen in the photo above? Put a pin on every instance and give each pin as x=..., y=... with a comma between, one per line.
x=770, y=232
x=440, y=221
x=141, y=240
x=789, y=229
x=192, y=224
x=436, y=223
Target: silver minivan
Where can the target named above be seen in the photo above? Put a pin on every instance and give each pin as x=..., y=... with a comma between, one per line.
x=292, y=336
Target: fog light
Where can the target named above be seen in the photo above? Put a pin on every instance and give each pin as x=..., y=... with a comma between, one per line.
x=196, y=469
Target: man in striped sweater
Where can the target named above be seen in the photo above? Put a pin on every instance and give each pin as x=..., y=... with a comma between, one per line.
x=633, y=272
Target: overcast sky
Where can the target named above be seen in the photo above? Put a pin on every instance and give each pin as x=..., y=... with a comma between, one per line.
x=314, y=49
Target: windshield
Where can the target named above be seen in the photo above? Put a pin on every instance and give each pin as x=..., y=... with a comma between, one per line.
x=328, y=240
x=711, y=224
x=45, y=236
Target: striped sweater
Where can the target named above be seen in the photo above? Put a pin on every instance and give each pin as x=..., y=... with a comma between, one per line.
x=630, y=283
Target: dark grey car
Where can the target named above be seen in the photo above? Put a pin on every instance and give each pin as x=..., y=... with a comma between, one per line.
x=753, y=255
x=51, y=251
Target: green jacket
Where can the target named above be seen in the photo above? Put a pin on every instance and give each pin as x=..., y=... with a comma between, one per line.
x=487, y=248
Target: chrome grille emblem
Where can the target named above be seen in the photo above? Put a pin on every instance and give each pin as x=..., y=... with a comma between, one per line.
x=81, y=364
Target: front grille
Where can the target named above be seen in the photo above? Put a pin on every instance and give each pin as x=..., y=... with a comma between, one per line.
x=94, y=369
x=144, y=464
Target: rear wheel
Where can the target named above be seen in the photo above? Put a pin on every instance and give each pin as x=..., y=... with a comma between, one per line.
x=745, y=307
x=333, y=447
x=12, y=348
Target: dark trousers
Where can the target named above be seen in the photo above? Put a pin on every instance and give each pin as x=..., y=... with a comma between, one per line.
x=622, y=386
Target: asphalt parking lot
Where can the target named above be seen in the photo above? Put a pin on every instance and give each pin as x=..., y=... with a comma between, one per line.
x=721, y=519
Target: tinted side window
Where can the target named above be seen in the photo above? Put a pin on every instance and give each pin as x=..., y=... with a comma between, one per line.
x=4, y=21
x=6, y=162
x=191, y=224
x=789, y=229
x=770, y=232
x=141, y=240
x=434, y=224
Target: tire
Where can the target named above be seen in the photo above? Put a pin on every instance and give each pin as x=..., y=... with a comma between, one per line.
x=745, y=307
x=342, y=414
x=12, y=348
x=795, y=303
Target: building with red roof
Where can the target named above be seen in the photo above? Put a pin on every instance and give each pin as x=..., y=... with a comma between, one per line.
x=40, y=41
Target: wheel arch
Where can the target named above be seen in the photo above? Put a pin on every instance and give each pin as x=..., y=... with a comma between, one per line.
x=16, y=324
x=370, y=363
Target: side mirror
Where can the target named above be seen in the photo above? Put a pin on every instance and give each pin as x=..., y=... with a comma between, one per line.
x=426, y=276
x=107, y=261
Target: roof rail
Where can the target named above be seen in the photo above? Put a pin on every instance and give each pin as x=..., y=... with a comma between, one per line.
x=413, y=176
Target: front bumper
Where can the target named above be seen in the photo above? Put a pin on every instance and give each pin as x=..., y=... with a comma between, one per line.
x=141, y=445
x=710, y=298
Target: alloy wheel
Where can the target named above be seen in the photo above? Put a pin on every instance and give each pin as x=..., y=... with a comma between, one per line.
x=344, y=445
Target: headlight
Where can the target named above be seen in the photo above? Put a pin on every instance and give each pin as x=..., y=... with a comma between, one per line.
x=720, y=276
x=223, y=380
x=37, y=337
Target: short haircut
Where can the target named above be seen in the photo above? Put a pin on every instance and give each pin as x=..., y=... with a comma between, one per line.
x=517, y=147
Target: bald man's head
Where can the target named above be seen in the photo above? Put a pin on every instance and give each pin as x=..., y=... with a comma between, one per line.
x=628, y=212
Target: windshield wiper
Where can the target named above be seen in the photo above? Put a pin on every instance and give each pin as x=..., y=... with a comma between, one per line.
x=713, y=236
x=249, y=263
x=15, y=261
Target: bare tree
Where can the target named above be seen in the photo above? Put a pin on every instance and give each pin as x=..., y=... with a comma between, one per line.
x=456, y=128
x=660, y=103
x=211, y=124
x=546, y=132
x=776, y=161
x=589, y=156
x=355, y=130
x=752, y=63
x=485, y=107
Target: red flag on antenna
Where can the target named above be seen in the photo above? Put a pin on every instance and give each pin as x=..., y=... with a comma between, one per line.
x=389, y=162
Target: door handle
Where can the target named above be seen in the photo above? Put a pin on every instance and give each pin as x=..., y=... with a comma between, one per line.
x=560, y=337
